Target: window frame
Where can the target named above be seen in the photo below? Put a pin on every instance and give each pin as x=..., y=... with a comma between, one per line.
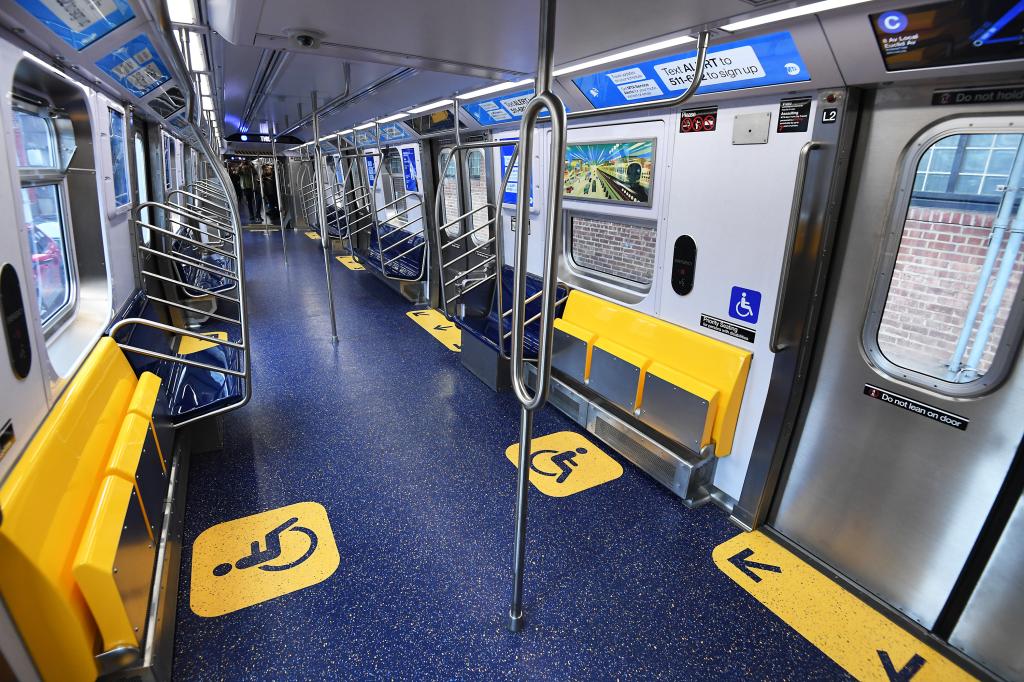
x=117, y=209
x=444, y=158
x=950, y=198
x=591, y=274
x=35, y=177
x=476, y=236
x=885, y=262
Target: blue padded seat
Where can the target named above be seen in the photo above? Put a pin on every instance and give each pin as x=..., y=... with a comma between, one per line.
x=186, y=391
x=409, y=266
x=335, y=222
x=197, y=277
x=486, y=328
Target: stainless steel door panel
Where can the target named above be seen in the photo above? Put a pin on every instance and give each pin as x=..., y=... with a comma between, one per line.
x=991, y=626
x=888, y=497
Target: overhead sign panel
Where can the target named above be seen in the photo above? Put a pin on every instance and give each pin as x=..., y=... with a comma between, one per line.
x=501, y=109
x=80, y=23
x=766, y=60
x=136, y=66
x=950, y=33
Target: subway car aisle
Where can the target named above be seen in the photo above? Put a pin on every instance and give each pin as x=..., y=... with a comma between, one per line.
x=404, y=449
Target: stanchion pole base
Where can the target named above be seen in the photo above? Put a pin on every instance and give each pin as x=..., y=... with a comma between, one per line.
x=516, y=623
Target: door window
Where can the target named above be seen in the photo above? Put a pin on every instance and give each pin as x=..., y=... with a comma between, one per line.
x=141, y=181
x=42, y=184
x=477, y=169
x=119, y=158
x=48, y=241
x=946, y=316
x=450, y=189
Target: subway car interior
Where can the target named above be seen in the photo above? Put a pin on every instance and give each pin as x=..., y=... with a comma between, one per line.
x=551, y=339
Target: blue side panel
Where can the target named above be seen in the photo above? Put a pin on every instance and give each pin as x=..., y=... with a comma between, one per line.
x=409, y=169
x=766, y=60
x=371, y=170
x=136, y=66
x=512, y=187
x=79, y=24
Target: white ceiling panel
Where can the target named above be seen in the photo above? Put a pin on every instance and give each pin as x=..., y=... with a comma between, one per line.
x=454, y=45
x=499, y=35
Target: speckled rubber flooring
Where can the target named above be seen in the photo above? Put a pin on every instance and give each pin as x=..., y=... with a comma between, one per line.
x=405, y=450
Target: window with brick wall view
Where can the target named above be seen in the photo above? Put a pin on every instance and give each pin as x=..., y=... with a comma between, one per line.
x=612, y=248
x=958, y=268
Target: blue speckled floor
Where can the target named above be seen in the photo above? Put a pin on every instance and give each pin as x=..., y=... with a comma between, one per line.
x=404, y=448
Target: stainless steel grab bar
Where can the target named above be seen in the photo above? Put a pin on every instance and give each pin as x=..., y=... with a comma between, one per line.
x=787, y=257
x=191, y=287
x=181, y=236
x=191, y=262
x=440, y=228
x=322, y=215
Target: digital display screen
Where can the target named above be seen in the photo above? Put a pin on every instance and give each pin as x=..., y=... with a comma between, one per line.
x=616, y=172
x=950, y=33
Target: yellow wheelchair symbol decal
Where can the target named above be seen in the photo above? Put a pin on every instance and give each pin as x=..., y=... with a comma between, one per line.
x=565, y=463
x=246, y=561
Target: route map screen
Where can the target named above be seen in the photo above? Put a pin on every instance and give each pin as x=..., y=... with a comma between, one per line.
x=949, y=33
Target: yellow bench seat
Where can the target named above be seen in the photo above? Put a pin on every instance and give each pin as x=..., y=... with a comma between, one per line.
x=683, y=384
x=69, y=505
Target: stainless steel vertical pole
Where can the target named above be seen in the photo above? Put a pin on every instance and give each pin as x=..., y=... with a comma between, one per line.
x=321, y=210
x=277, y=191
x=543, y=99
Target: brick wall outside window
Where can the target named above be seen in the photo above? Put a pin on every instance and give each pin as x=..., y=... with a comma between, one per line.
x=937, y=267
x=618, y=249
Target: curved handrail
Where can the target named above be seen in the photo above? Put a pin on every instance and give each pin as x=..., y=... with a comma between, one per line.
x=553, y=219
x=498, y=238
x=377, y=222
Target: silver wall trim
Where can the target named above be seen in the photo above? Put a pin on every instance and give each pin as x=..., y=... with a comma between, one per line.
x=816, y=215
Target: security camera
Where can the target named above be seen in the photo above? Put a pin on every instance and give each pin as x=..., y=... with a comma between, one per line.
x=304, y=38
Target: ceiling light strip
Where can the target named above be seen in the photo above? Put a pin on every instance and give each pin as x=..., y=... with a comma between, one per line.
x=813, y=8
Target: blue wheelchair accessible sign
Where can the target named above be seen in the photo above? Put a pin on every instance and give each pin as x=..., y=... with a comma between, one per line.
x=745, y=305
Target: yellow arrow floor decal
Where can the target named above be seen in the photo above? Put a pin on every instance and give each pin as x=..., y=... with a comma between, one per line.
x=313, y=235
x=865, y=643
x=438, y=326
x=190, y=344
x=349, y=262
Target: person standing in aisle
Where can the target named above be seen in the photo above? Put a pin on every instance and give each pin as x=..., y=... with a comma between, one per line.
x=247, y=178
x=235, y=182
x=269, y=191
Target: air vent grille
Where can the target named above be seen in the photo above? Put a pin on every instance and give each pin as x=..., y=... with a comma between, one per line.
x=625, y=444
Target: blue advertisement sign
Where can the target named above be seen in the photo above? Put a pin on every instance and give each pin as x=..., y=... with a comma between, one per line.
x=79, y=23
x=371, y=171
x=512, y=188
x=765, y=60
x=409, y=169
x=136, y=66
x=392, y=132
x=501, y=109
x=362, y=138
